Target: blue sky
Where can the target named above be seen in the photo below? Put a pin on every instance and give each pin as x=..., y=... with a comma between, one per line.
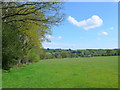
x=87, y=25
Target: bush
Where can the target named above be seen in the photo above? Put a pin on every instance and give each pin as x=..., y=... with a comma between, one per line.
x=34, y=55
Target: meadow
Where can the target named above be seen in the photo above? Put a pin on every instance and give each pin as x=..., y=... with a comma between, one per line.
x=85, y=72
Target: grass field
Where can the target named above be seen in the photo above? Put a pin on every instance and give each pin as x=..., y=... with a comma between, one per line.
x=93, y=72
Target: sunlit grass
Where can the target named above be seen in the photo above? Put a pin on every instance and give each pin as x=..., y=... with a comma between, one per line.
x=93, y=72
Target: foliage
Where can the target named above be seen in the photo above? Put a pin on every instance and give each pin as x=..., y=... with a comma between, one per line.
x=34, y=55
x=65, y=53
x=11, y=46
x=31, y=21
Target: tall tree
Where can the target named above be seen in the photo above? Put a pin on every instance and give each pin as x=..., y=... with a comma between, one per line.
x=11, y=46
x=32, y=20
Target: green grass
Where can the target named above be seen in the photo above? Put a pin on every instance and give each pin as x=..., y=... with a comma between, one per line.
x=94, y=72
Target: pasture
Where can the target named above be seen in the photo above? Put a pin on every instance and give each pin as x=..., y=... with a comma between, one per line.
x=86, y=72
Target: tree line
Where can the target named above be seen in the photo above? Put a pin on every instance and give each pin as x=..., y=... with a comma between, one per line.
x=25, y=26
x=69, y=53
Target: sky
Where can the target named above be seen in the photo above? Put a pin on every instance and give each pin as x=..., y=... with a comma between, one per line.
x=87, y=25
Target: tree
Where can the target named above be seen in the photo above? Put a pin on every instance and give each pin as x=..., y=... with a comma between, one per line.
x=58, y=55
x=32, y=17
x=64, y=54
x=11, y=46
x=109, y=52
x=32, y=22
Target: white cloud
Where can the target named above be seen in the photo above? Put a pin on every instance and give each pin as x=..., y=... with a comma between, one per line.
x=58, y=45
x=111, y=28
x=116, y=0
x=50, y=43
x=59, y=37
x=103, y=33
x=93, y=22
x=52, y=47
x=51, y=37
x=115, y=47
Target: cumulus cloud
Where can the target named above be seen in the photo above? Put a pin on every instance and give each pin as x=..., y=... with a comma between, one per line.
x=50, y=43
x=103, y=33
x=59, y=37
x=93, y=22
x=116, y=0
x=58, y=45
x=111, y=28
x=51, y=37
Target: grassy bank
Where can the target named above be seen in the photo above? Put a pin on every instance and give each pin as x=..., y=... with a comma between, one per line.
x=94, y=72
